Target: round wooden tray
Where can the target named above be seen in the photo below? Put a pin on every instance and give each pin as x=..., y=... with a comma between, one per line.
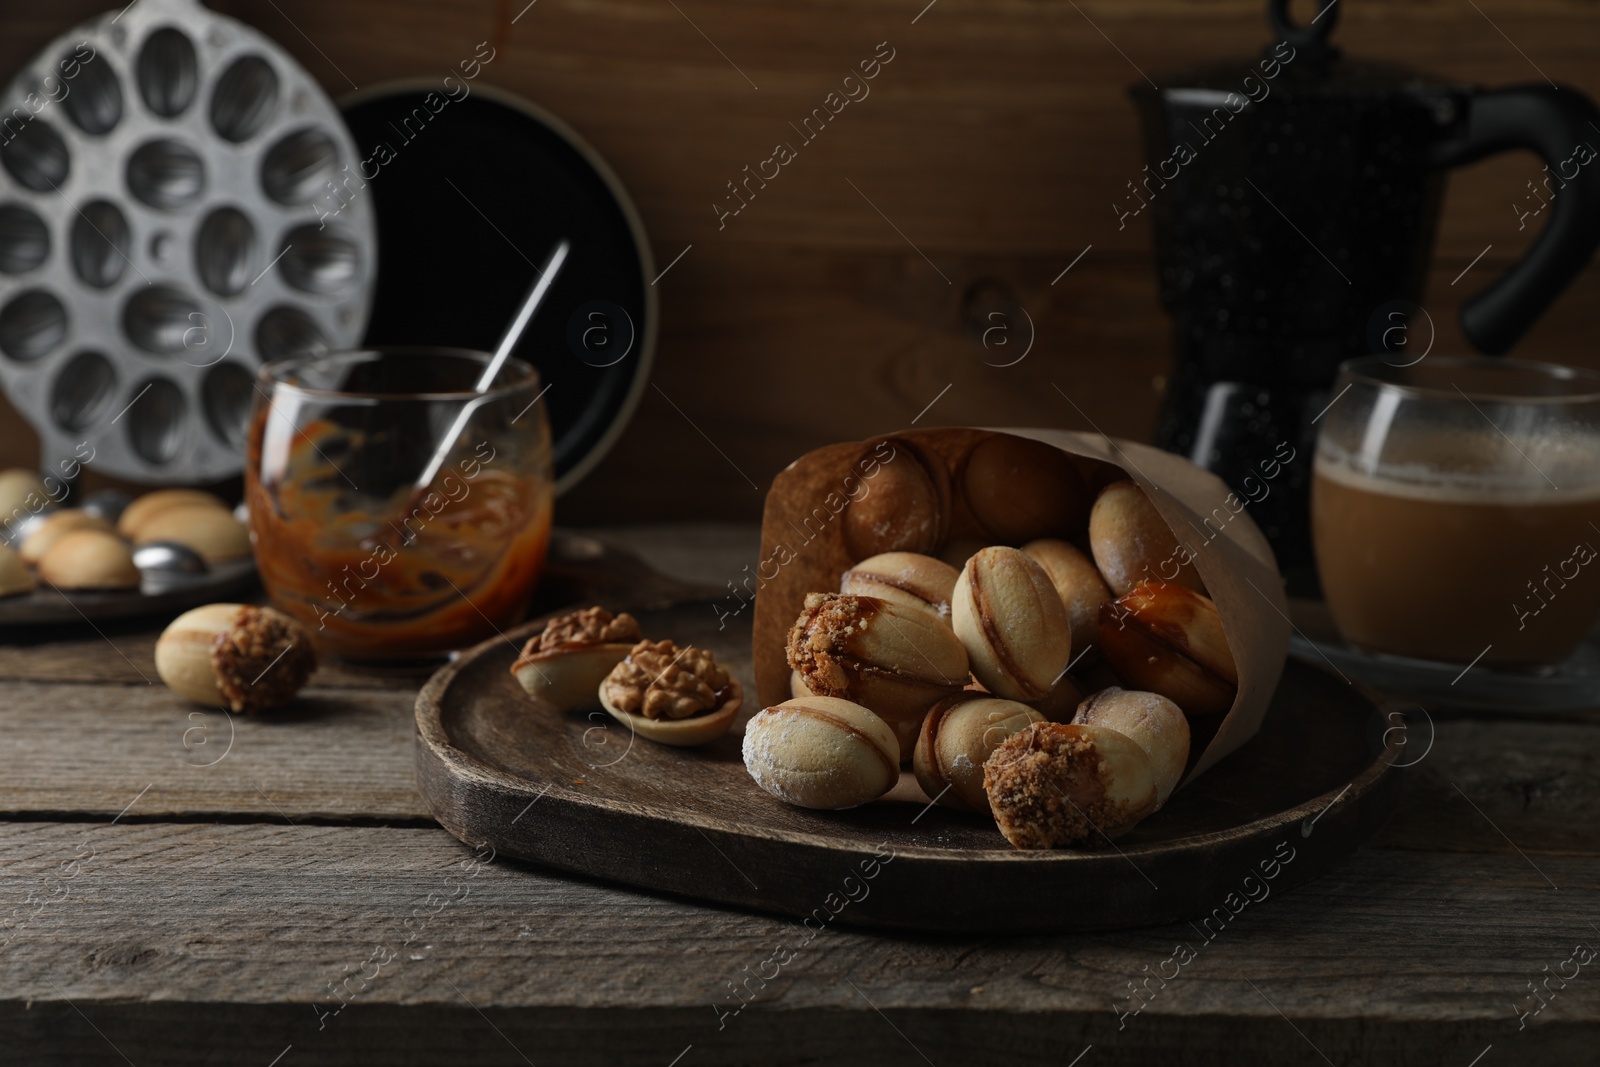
x=576, y=791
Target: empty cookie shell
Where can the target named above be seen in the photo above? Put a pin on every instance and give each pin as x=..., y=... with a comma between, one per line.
x=134, y=515
x=53, y=527
x=89, y=559
x=211, y=531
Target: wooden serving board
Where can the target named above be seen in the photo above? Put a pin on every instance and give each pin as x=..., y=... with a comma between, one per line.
x=575, y=791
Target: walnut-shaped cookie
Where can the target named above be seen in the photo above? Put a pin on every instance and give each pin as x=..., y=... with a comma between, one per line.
x=1078, y=583
x=564, y=664
x=1013, y=624
x=1053, y=784
x=956, y=738
x=1168, y=639
x=905, y=578
x=896, y=661
x=821, y=752
x=238, y=656
x=1150, y=721
x=1132, y=543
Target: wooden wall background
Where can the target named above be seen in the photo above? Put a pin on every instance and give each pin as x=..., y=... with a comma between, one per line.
x=996, y=141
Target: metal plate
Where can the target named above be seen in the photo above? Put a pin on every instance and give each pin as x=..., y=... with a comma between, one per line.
x=47, y=605
x=164, y=172
x=1572, y=685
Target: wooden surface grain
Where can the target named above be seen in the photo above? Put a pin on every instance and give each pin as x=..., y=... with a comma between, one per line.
x=994, y=144
x=90, y=749
x=1397, y=957
x=157, y=911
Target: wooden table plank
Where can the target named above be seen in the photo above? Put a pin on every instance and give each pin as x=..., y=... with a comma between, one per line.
x=1489, y=782
x=182, y=1035
x=126, y=654
x=243, y=917
x=92, y=749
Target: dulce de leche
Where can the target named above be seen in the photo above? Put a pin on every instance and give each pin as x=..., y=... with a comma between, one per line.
x=408, y=574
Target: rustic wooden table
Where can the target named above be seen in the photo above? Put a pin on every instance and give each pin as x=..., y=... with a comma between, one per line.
x=176, y=890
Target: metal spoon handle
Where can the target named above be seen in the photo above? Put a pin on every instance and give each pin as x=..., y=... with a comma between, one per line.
x=508, y=341
x=530, y=304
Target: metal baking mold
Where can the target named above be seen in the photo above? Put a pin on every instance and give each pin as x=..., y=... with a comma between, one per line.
x=158, y=239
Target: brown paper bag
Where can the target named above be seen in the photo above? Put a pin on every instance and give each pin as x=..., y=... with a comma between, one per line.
x=803, y=551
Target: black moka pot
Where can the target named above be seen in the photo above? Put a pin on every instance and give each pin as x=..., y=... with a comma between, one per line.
x=1294, y=199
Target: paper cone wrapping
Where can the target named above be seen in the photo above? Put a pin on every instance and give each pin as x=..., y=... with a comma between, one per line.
x=803, y=550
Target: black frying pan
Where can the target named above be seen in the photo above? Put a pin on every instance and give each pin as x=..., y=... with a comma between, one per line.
x=473, y=191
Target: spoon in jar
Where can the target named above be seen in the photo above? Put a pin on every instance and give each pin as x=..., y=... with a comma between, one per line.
x=164, y=565
x=508, y=341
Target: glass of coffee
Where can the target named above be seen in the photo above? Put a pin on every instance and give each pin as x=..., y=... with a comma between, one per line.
x=1456, y=509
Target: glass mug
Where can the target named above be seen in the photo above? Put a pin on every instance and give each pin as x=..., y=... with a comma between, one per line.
x=1455, y=509
x=375, y=565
